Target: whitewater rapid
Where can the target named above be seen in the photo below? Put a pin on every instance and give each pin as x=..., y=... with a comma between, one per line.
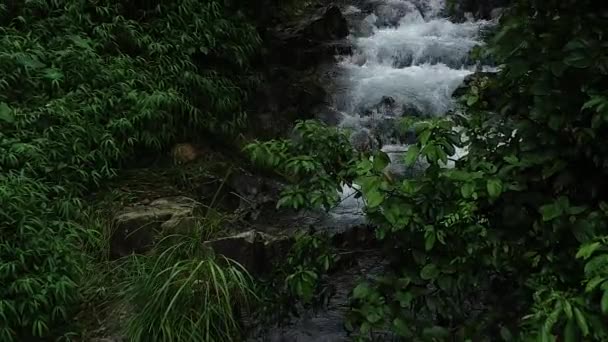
x=408, y=58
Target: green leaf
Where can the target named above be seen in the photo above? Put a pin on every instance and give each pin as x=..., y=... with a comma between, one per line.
x=429, y=240
x=557, y=68
x=604, y=302
x=5, y=113
x=576, y=210
x=543, y=335
x=518, y=67
x=494, y=187
x=593, y=283
x=578, y=59
x=361, y=291
x=405, y=298
x=429, y=272
x=365, y=328
x=412, y=155
x=445, y=283
x=381, y=160
x=586, y=250
x=374, y=198
x=570, y=331
x=505, y=333
x=373, y=317
x=581, y=321
x=401, y=328
x=472, y=99
x=550, y=211
x=436, y=332
x=425, y=135
x=568, y=309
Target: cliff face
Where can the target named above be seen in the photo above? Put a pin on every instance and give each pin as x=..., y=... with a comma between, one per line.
x=295, y=53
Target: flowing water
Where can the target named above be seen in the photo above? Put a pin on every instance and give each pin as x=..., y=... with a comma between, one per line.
x=407, y=60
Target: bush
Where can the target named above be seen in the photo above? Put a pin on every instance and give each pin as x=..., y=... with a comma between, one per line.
x=85, y=86
x=510, y=243
x=197, y=297
x=41, y=259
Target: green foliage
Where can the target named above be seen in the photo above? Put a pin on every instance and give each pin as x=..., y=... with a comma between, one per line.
x=309, y=259
x=41, y=260
x=510, y=243
x=86, y=85
x=300, y=281
x=197, y=297
x=317, y=162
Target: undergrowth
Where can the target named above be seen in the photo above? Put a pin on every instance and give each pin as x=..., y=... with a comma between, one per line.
x=185, y=294
x=85, y=86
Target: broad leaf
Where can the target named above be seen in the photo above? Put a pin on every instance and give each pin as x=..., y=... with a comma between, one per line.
x=494, y=187
x=604, y=302
x=550, y=211
x=581, y=321
x=5, y=113
x=429, y=272
x=412, y=155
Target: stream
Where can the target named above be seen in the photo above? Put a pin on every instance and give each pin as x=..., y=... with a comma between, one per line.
x=407, y=59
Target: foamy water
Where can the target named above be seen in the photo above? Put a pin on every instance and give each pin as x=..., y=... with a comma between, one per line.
x=415, y=58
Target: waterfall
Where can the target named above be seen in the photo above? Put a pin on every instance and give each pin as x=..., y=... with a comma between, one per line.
x=408, y=59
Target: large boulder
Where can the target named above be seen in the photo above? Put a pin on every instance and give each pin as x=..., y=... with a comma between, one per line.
x=294, y=60
x=289, y=95
x=254, y=250
x=391, y=12
x=326, y=24
x=137, y=228
x=309, y=41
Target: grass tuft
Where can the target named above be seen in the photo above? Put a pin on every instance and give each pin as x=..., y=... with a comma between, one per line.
x=186, y=294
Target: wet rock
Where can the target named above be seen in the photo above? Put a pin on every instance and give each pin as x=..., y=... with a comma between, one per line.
x=410, y=109
x=390, y=13
x=293, y=59
x=138, y=227
x=326, y=24
x=254, y=250
x=358, y=59
x=328, y=115
x=381, y=122
x=471, y=80
x=480, y=9
x=364, y=27
x=257, y=194
x=363, y=141
x=497, y=12
x=387, y=106
x=307, y=42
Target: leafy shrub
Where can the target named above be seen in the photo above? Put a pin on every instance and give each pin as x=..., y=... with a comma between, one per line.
x=315, y=162
x=510, y=243
x=85, y=86
x=299, y=282
x=41, y=259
